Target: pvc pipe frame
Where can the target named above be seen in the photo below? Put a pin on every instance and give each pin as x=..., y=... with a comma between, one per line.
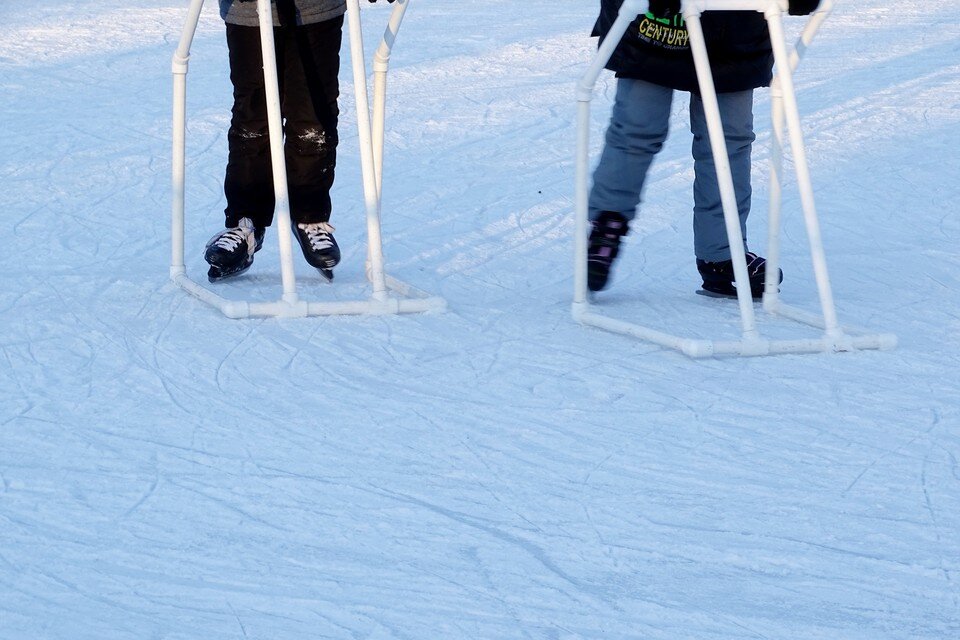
x=784, y=106
x=412, y=300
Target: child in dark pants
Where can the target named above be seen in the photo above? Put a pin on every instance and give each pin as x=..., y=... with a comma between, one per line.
x=307, y=35
x=651, y=62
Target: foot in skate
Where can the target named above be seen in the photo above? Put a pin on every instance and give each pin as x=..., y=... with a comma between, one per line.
x=719, y=282
x=230, y=252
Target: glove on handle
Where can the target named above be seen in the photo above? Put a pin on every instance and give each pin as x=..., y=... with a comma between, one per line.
x=803, y=7
x=664, y=8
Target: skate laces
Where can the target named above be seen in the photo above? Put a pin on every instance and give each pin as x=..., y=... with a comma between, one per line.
x=318, y=235
x=233, y=238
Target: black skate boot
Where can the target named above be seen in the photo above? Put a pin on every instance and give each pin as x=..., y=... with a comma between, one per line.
x=605, y=236
x=230, y=252
x=718, y=279
x=319, y=246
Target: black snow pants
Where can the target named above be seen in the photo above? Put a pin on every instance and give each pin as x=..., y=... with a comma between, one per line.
x=308, y=64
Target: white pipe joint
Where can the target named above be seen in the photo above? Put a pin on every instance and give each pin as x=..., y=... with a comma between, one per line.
x=755, y=346
x=180, y=64
x=579, y=309
x=236, y=310
x=697, y=348
x=381, y=57
x=690, y=9
x=584, y=92
x=636, y=6
x=777, y=8
x=629, y=10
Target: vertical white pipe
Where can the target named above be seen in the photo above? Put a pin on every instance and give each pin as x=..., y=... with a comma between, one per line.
x=278, y=163
x=628, y=12
x=772, y=282
x=724, y=177
x=381, y=65
x=809, y=32
x=798, y=147
x=375, y=247
x=771, y=288
x=581, y=204
x=180, y=64
x=378, y=126
x=179, y=170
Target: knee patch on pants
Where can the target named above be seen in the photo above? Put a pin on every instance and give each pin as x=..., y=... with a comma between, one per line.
x=248, y=141
x=312, y=142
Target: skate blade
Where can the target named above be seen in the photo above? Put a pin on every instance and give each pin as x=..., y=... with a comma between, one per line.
x=326, y=274
x=714, y=294
x=723, y=296
x=216, y=275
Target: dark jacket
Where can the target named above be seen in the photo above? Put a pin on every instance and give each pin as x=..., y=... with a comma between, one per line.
x=658, y=51
x=286, y=12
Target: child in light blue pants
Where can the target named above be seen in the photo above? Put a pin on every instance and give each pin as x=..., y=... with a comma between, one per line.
x=652, y=60
x=638, y=128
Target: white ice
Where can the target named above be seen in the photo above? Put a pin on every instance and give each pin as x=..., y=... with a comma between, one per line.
x=496, y=471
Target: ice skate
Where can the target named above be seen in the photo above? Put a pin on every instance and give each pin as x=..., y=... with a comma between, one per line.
x=605, y=236
x=230, y=252
x=719, y=282
x=319, y=246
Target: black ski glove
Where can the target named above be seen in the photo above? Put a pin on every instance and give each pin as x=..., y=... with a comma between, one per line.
x=803, y=7
x=665, y=8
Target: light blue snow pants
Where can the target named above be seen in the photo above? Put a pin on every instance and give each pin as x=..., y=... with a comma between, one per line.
x=638, y=128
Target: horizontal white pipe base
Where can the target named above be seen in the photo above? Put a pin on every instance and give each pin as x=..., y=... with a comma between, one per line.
x=413, y=301
x=405, y=290
x=699, y=348
x=884, y=341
